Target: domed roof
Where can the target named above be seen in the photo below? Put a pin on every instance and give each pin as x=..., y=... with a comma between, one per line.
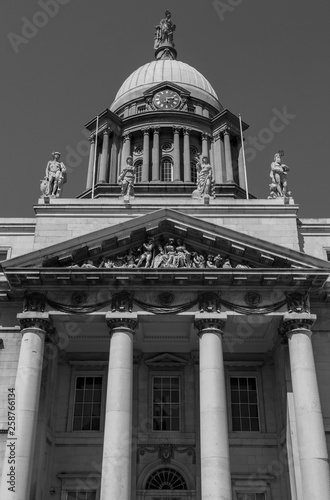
x=166, y=70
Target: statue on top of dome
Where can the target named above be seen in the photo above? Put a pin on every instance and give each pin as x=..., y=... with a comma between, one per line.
x=164, y=31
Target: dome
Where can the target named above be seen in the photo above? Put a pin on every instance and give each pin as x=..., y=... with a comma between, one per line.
x=164, y=70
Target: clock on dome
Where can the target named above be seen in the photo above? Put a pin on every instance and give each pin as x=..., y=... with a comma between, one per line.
x=167, y=99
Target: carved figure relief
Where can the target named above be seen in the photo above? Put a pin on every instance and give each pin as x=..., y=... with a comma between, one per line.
x=34, y=301
x=298, y=302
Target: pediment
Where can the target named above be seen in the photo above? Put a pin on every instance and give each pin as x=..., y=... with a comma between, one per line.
x=167, y=85
x=166, y=360
x=202, y=250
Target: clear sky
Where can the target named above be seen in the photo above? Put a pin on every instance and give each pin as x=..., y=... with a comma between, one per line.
x=268, y=60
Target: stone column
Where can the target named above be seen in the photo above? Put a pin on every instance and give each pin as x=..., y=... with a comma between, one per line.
x=91, y=163
x=155, y=155
x=215, y=464
x=176, y=154
x=186, y=155
x=117, y=448
x=228, y=158
x=145, y=166
x=205, y=148
x=126, y=148
x=313, y=455
x=114, y=159
x=104, y=157
x=21, y=442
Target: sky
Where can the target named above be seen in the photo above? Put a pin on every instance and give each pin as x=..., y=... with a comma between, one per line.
x=62, y=62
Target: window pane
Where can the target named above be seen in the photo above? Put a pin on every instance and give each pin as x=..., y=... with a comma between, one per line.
x=244, y=404
x=87, y=403
x=80, y=383
x=166, y=403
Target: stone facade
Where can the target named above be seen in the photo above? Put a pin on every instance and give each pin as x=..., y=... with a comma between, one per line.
x=165, y=346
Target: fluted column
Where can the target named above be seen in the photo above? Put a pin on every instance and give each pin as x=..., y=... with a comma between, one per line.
x=114, y=160
x=146, y=160
x=186, y=155
x=312, y=446
x=21, y=440
x=215, y=464
x=102, y=178
x=155, y=155
x=205, y=148
x=228, y=157
x=126, y=148
x=218, y=167
x=117, y=447
x=91, y=163
x=176, y=154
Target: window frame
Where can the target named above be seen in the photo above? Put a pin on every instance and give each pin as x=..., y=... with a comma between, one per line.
x=70, y=483
x=138, y=164
x=168, y=159
x=252, y=373
x=167, y=373
x=84, y=371
x=8, y=250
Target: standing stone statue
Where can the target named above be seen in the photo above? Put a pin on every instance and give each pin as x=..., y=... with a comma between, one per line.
x=126, y=179
x=164, y=31
x=55, y=177
x=278, y=172
x=205, y=182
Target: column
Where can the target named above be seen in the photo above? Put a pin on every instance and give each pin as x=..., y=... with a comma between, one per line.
x=228, y=158
x=176, y=154
x=215, y=464
x=218, y=167
x=126, y=148
x=146, y=160
x=313, y=455
x=114, y=160
x=205, y=149
x=186, y=155
x=104, y=157
x=155, y=155
x=91, y=163
x=117, y=448
x=21, y=443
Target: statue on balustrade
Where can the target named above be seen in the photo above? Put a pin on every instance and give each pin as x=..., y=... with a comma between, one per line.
x=205, y=181
x=127, y=178
x=164, y=31
x=278, y=173
x=55, y=177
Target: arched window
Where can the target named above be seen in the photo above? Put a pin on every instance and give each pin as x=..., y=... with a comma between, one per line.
x=166, y=479
x=138, y=170
x=193, y=172
x=166, y=169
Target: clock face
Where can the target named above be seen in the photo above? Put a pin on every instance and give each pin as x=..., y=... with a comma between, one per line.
x=167, y=99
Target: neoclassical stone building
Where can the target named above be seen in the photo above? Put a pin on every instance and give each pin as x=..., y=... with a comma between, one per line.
x=167, y=337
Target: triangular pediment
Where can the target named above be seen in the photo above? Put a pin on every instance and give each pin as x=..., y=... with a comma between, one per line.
x=166, y=360
x=201, y=249
x=167, y=85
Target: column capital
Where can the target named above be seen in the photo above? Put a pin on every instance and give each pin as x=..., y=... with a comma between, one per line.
x=295, y=322
x=128, y=320
x=215, y=321
x=176, y=129
x=217, y=136
x=35, y=319
x=226, y=131
x=92, y=139
x=145, y=130
x=156, y=130
x=127, y=136
x=107, y=131
x=186, y=130
x=205, y=135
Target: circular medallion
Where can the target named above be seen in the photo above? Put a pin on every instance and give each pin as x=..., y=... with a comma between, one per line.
x=167, y=146
x=138, y=149
x=165, y=298
x=78, y=297
x=252, y=298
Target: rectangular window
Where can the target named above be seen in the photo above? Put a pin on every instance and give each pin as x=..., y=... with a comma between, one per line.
x=166, y=403
x=244, y=407
x=81, y=495
x=328, y=254
x=87, y=404
x=250, y=496
x=3, y=255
